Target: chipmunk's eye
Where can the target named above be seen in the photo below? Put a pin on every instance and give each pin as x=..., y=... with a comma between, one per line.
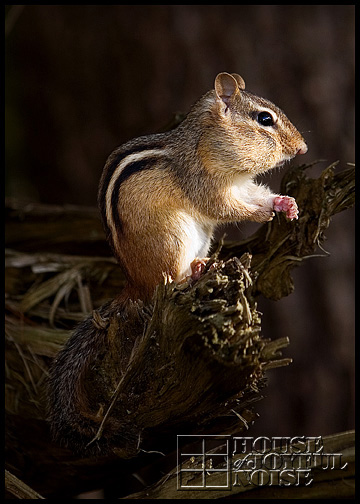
x=265, y=118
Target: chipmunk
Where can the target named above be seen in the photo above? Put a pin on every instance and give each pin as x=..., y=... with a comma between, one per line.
x=161, y=196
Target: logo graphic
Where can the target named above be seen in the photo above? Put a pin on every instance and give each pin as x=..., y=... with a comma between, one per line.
x=207, y=462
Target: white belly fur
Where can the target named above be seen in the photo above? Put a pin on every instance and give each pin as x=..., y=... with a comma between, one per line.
x=196, y=241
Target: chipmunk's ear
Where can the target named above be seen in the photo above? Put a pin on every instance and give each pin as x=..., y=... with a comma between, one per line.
x=227, y=85
x=239, y=80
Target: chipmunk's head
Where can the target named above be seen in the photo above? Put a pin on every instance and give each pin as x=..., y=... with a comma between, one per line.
x=256, y=134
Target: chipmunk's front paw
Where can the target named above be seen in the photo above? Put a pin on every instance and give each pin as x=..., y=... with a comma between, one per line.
x=197, y=267
x=286, y=204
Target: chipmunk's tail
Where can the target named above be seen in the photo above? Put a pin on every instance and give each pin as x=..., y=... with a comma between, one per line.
x=71, y=420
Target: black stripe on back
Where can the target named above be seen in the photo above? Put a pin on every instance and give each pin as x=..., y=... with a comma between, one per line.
x=128, y=171
x=112, y=163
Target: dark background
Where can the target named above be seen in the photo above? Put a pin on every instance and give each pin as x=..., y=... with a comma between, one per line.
x=81, y=80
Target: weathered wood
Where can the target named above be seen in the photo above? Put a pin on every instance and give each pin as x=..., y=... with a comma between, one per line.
x=17, y=488
x=68, y=229
x=213, y=334
x=204, y=337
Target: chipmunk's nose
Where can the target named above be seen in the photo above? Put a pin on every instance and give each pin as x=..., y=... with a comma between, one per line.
x=303, y=149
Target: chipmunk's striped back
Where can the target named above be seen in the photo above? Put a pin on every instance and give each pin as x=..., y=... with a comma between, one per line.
x=129, y=159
